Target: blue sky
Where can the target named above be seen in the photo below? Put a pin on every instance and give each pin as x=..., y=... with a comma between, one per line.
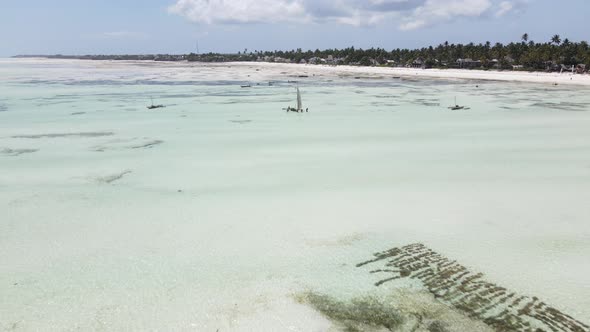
x=174, y=26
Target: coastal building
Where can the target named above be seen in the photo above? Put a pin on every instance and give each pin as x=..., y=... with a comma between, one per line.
x=316, y=60
x=331, y=60
x=417, y=63
x=468, y=63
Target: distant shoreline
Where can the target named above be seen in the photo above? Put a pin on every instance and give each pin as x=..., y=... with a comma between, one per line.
x=388, y=72
x=370, y=72
x=467, y=74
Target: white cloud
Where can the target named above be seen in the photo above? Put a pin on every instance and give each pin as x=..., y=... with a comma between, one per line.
x=439, y=11
x=412, y=14
x=504, y=8
x=123, y=35
x=239, y=11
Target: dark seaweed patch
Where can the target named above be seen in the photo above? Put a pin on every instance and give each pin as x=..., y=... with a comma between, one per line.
x=455, y=285
x=565, y=106
x=113, y=177
x=403, y=310
x=426, y=102
x=149, y=144
x=58, y=135
x=16, y=152
x=357, y=315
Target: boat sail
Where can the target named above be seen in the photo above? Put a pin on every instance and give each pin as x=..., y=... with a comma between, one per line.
x=299, y=104
x=299, y=107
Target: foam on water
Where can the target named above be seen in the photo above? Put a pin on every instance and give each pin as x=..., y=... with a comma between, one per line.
x=221, y=210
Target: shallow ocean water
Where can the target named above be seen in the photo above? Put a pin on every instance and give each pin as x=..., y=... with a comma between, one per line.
x=216, y=211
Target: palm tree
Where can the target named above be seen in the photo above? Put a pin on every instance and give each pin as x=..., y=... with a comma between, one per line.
x=556, y=40
x=525, y=37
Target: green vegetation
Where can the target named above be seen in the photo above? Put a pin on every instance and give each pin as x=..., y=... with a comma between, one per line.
x=553, y=55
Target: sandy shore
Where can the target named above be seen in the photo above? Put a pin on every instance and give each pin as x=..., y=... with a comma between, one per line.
x=272, y=71
x=515, y=76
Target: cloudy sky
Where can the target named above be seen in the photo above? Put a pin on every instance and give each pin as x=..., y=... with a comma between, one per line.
x=175, y=26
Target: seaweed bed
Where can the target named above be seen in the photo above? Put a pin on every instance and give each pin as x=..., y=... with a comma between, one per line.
x=399, y=311
x=149, y=144
x=364, y=314
x=112, y=178
x=454, y=285
x=145, y=143
x=58, y=135
x=241, y=121
x=16, y=152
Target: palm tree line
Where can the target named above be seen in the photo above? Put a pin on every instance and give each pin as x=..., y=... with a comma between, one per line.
x=525, y=54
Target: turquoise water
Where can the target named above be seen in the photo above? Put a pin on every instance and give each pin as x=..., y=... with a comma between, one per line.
x=212, y=212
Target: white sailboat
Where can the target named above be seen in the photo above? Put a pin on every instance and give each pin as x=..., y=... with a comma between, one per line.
x=457, y=107
x=299, y=107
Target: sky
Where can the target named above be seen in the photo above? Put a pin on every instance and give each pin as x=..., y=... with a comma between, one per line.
x=229, y=26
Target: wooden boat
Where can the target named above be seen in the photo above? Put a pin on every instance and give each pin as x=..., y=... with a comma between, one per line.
x=152, y=106
x=457, y=106
x=299, y=108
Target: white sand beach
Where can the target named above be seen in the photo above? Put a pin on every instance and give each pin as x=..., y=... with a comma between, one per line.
x=267, y=70
x=507, y=75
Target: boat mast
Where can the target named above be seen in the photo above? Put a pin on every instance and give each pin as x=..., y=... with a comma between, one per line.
x=299, y=104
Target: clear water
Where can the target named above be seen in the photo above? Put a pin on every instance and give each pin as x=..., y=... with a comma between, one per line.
x=212, y=212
